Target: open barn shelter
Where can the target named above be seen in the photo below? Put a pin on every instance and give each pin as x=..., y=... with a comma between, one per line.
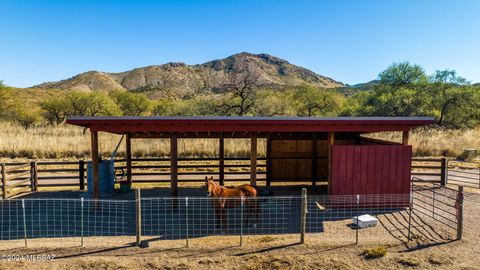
x=330, y=151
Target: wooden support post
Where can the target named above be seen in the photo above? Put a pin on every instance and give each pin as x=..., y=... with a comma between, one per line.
x=405, y=137
x=186, y=221
x=443, y=172
x=81, y=221
x=81, y=174
x=303, y=216
x=174, y=164
x=33, y=176
x=95, y=165
x=24, y=223
x=314, y=160
x=253, y=160
x=331, y=141
x=128, y=148
x=269, y=160
x=4, y=182
x=138, y=208
x=459, y=213
x=221, y=160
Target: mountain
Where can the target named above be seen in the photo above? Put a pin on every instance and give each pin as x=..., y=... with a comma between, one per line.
x=349, y=90
x=181, y=80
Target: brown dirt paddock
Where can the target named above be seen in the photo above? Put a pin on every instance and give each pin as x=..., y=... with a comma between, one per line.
x=257, y=252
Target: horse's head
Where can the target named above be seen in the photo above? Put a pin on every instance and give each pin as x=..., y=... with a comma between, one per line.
x=210, y=184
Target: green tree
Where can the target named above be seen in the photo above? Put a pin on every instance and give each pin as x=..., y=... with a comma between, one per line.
x=27, y=118
x=402, y=74
x=131, y=104
x=78, y=103
x=274, y=103
x=164, y=107
x=90, y=104
x=6, y=101
x=56, y=109
x=384, y=100
x=311, y=101
x=463, y=109
x=454, y=101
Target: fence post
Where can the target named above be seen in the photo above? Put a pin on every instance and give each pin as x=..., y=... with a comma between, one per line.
x=186, y=220
x=357, y=225
x=433, y=200
x=81, y=170
x=242, y=199
x=24, y=223
x=33, y=176
x=410, y=219
x=460, y=213
x=4, y=182
x=138, y=205
x=81, y=221
x=303, y=216
x=443, y=172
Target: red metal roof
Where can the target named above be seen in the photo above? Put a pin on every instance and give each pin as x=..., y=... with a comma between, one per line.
x=159, y=125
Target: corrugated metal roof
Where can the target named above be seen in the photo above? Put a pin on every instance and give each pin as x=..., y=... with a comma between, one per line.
x=247, y=118
x=197, y=124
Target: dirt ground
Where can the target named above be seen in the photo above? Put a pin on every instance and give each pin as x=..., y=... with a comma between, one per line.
x=257, y=252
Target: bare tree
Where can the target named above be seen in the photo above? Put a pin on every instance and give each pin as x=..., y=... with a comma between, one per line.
x=241, y=88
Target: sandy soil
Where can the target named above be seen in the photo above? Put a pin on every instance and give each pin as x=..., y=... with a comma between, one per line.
x=257, y=252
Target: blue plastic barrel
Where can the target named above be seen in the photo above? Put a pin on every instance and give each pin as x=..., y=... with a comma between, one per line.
x=106, y=178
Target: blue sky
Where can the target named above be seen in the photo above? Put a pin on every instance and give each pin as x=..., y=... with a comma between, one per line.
x=350, y=41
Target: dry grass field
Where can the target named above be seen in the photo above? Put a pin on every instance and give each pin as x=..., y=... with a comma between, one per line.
x=47, y=142
x=73, y=142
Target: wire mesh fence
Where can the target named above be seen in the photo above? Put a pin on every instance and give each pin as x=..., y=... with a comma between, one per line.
x=427, y=213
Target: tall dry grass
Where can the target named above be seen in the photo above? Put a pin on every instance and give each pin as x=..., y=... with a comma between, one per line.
x=64, y=141
x=47, y=142
x=437, y=142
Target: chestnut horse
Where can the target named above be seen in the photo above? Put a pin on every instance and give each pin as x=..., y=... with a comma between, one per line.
x=230, y=198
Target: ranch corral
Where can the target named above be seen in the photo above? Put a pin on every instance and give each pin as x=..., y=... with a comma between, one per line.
x=431, y=215
x=318, y=174
x=431, y=242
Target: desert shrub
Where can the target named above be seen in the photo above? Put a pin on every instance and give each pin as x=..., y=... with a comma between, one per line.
x=410, y=262
x=374, y=252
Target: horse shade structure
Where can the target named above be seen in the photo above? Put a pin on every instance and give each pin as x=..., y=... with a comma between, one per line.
x=329, y=152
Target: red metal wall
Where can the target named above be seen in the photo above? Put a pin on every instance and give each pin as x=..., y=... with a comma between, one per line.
x=370, y=169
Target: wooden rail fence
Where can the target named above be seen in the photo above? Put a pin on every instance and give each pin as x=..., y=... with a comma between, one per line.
x=29, y=176
x=18, y=178
x=430, y=170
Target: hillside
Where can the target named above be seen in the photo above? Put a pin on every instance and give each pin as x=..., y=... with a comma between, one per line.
x=349, y=90
x=181, y=80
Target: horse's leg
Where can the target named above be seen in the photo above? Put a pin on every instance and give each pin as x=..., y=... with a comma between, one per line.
x=246, y=212
x=250, y=211
x=256, y=209
x=218, y=216
x=253, y=211
x=223, y=218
